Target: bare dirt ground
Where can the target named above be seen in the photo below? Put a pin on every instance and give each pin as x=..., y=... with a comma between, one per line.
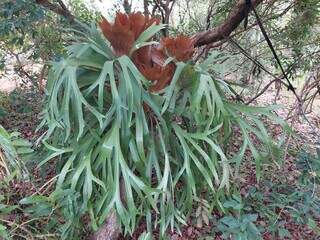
x=7, y=85
x=307, y=126
x=9, y=77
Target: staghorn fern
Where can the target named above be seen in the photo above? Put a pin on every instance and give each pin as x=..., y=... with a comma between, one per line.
x=140, y=153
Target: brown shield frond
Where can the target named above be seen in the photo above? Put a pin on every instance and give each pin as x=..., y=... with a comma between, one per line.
x=125, y=30
x=181, y=47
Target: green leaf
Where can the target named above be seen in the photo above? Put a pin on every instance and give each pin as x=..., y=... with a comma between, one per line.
x=34, y=199
x=146, y=35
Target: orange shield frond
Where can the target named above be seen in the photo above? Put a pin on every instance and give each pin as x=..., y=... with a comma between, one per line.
x=167, y=73
x=161, y=76
x=181, y=47
x=150, y=62
x=125, y=30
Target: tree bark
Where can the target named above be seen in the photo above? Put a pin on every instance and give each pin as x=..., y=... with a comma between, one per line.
x=165, y=8
x=111, y=229
x=236, y=16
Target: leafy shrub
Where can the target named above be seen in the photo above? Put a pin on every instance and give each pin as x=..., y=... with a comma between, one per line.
x=21, y=108
x=309, y=167
x=279, y=203
x=241, y=227
x=56, y=212
x=146, y=153
x=237, y=223
x=13, y=150
x=37, y=216
x=11, y=146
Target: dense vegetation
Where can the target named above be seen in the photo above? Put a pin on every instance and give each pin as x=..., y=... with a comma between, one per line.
x=161, y=124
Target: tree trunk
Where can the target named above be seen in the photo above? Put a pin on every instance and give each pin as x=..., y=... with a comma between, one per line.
x=110, y=230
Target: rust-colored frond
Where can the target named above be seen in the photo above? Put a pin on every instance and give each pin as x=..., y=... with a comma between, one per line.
x=166, y=77
x=161, y=76
x=122, y=19
x=140, y=22
x=121, y=41
x=149, y=55
x=106, y=27
x=143, y=56
x=137, y=23
x=158, y=56
x=153, y=74
x=125, y=30
x=119, y=34
x=150, y=60
x=181, y=47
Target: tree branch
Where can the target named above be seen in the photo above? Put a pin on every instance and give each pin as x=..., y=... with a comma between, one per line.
x=59, y=9
x=63, y=5
x=208, y=19
x=127, y=6
x=146, y=7
x=237, y=14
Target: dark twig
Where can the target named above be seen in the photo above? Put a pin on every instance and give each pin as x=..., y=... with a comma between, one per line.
x=290, y=86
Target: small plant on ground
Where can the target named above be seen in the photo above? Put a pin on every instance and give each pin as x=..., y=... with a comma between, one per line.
x=12, y=147
x=238, y=224
x=13, y=153
x=281, y=205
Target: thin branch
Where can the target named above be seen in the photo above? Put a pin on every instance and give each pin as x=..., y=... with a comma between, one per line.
x=63, y=5
x=127, y=6
x=146, y=7
x=262, y=91
x=208, y=19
